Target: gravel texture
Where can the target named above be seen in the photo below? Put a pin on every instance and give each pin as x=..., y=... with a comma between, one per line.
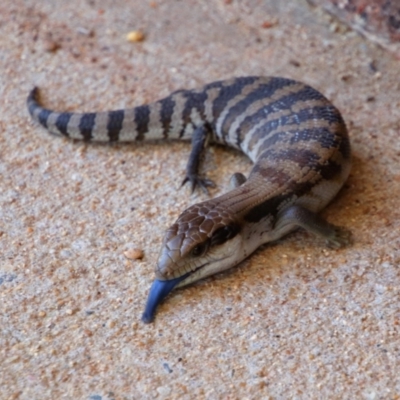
x=294, y=321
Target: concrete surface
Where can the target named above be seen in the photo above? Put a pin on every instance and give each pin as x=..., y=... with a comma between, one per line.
x=294, y=321
x=378, y=20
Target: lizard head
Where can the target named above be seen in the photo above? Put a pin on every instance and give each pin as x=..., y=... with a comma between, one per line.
x=204, y=240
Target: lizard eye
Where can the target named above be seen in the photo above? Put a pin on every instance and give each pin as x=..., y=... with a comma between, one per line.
x=199, y=249
x=223, y=234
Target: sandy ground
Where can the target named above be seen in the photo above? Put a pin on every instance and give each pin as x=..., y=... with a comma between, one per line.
x=294, y=321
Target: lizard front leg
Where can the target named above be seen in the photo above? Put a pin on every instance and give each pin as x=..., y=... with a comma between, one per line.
x=200, y=139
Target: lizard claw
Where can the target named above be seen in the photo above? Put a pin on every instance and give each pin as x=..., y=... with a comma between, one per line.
x=196, y=181
x=342, y=237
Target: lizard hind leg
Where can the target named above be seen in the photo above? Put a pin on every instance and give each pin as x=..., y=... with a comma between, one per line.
x=297, y=216
x=237, y=179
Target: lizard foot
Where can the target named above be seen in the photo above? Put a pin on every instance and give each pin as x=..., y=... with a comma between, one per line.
x=341, y=237
x=197, y=181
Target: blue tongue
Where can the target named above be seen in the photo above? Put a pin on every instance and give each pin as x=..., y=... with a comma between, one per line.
x=158, y=291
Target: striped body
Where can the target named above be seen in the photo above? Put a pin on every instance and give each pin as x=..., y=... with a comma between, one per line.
x=296, y=138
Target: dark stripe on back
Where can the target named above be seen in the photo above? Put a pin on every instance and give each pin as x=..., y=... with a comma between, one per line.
x=194, y=100
x=166, y=111
x=62, y=123
x=43, y=116
x=227, y=93
x=331, y=114
x=142, y=116
x=86, y=125
x=323, y=136
x=330, y=170
x=285, y=103
x=327, y=113
x=114, y=124
x=302, y=157
x=264, y=91
x=324, y=112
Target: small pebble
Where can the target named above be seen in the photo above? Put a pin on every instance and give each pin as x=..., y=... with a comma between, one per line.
x=51, y=46
x=135, y=36
x=269, y=24
x=167, y=368
x=111, y=323
x=134, y=254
